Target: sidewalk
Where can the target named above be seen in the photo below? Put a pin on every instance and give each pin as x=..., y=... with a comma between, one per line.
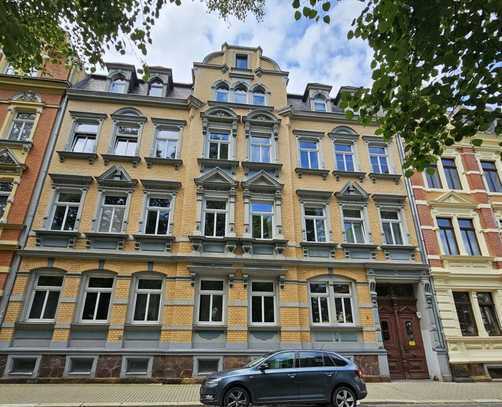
x=186, y=395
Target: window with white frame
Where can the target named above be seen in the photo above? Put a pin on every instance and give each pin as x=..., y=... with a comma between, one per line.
x=240, y=94
x=259, y=96
x=215, y=218
x=261, y=147
x=166, y=142
x=112, y=213
x=157, y=215
x=344, y=157
x=119, y=85
x=319, y=302
x=219, y=144
x=392, y=226
x=353, y=223
x=126, y=139
x=147, y=299
x=378, y=159
x=65, y=211
x=315, y=223
x=319, y=104
x=262, y=214
x=447, y=236
x=84, y=136
x=262, y=302
x=462, y=228
x=309, y=153
x=343, y=303
x=22, y=126
x=156, y=88
x=222, y=92
x=451, y=173
x=491, y=175
x=432, y=176
x=468, y=235
x=5, y=191
x=211, y=301
x=97, y=298
x=45, y=297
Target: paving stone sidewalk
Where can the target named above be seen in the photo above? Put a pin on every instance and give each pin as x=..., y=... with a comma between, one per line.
x=186, y=395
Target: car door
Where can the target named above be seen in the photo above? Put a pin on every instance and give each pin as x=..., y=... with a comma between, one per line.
x=278, y=382
x=313, y=376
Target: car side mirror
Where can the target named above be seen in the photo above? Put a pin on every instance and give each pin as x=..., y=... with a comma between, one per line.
x=264, y=366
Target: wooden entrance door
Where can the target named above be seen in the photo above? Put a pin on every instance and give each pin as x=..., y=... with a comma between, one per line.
x=402, y=338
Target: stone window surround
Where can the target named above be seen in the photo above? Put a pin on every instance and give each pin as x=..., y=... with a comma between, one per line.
x=268, y=127
x=347, y=136
x=102, y=192
x=9, y=365
x=312, y=137
x=77, y=117
x=399, y=208
x=30, y=291
x=493, y=156
x=249, y=92
x=319, y=200
x=123, y=368
x=276, y=200
x=146, y=275
x=227, y=122
x=10, y=200
x=195, y=371
x=84, y=280
x=454, y=214
x=197, y=294
x=275, y=296
x=67, y=368
x=377, y=141
x=121, y=118
x=330, y=280
x=202, y=197
x=455, y=155
x=171, y=124
x=19, y=104
x=363, y=208
x=149, y=193
x=60, y=188
x=156, y=79
x=317, y=93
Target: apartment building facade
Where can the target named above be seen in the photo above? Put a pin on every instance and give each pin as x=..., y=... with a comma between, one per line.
x=187, y=228
x=459, y=204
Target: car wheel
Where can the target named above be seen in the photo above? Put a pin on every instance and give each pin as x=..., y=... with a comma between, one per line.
x=344, y=397
x=236, y=397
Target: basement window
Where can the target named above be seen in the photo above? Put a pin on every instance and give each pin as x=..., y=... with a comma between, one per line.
x=137, y=366
x=495, y=372
x=23, y=366
x=80, y=366
x=207, y=366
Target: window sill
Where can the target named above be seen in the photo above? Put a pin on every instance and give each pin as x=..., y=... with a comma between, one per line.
x=63, y=155
x=257, y=166
x=351, y=328
x=153, y=242
x=107, y=234
x=209, y=327
x=90, y=325
x=397, y=247
x=212, y=162
x=306, y=243
x=143, y=326
x=349, y=174
x=35, y=324
x=134, y=159
x=56, y=238
x=174, y=162
x=347, y=245
x=25, y=145
x=376, y=176
x=462, y=257
x=311, y=171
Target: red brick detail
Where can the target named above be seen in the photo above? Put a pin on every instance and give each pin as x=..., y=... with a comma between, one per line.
x=475, y=181
x=479, y=197
x=3, y=278
x=431, y=243
x=469, y=161
x=417, y=179
x=494, y=243
x=487, y=218
x=498, y=265
x=435, y=263
x=420, y=194
x=424, y=215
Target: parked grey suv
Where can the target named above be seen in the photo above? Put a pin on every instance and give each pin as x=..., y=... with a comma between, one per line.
x=287, y=377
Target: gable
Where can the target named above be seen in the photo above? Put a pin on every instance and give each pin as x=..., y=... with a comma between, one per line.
x=352, y=191
x=216, y=178
x=9, y=163
x=262, y=182
x=454, y=200
x=116, y=176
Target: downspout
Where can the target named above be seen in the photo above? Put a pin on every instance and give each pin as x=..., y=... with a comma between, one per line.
x=421, y=244
x=37, y=190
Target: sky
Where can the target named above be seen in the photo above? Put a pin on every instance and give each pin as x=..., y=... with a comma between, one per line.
x=310, y=51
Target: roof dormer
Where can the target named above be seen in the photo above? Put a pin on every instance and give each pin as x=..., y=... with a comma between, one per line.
x=316, y=96
x=121, y=77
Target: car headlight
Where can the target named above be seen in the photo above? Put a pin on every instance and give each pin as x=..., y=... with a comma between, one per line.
x=213, y=382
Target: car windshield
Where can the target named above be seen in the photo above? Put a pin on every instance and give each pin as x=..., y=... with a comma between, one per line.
x=258, y=360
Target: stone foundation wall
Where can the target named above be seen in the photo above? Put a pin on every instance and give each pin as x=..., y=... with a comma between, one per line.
x=469, y=372
x=235, y=362
x=168, y=366
x=368, y=364
x=52, y=366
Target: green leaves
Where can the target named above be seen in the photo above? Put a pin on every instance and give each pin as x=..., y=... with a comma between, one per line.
x=313, y=10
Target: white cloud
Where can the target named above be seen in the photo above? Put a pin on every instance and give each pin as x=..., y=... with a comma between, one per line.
x=312, y=52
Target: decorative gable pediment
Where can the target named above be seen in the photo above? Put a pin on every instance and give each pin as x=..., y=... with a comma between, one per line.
x=116, y=177
x=223, y=116
x=262, y=182
x=453, y=200
x=261, y=119
x=352, y=192
x=215, y=179
x=9, y=163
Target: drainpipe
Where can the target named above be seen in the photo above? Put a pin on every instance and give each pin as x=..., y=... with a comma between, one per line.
x=37, y=190
x=421, y=244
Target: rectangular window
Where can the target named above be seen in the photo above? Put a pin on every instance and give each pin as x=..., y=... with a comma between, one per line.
x=136, y=366
x=260, y=148
x=262, y=303
x=147, y=302
x=22, y=126
x=219, y=143
x=315, y=224
x=97, y=297
x=465, y=314
x=215, y=218
x=319, y=303
x=5, y=190
x=491, y=175
x=45, y=298
x=80, y=365
x=64, y=216
x=157, y=215
x=207, y=366
x=259, y=98
x=469, y=238
x=241, y=61
x=391, y=225
x=126, y=139
x=344, y=157
x=320, y=104
x=23, y=366
x=451, y=173
x=262, y=218
x=343, y=304
x=112, y=213
x=309, y=154
x=489, y=314
x=354, y=226
x=166, y=142
x=211, y=301
x=447, y=235
x=84, y=137
x=378, y=159
x=432, y=176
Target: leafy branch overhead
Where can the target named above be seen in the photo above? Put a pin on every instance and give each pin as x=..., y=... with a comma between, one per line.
x=436, y=63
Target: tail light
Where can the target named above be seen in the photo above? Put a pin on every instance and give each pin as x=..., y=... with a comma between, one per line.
x=359, y=373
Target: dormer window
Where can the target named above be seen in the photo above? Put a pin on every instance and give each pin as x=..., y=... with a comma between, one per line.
x=320, y=104
x=118, y=85
x=241, y=61
x=259, y=96
x=156, y=88
x=240, y=94
x=222, y=92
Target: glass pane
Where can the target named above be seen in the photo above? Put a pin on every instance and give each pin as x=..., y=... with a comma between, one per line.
x=89, y=306
x=150, y=284
x=315, y=310
x=159, y=202
x=163, y=223
x=106, y=218
x=115, y=200
x=211, y=285
x=341, y=288
x=256, y=310
x=153, y=308
x=387, y=233
x=349, y=233
x=209, y=224
x=261, y=207
x=99, y=282
x=304, y=159
x=217, y=311
x=104, y=302
x=204, y=308
x=267, y=227
x=269, y=309
x=314, y=160
x=284, y=360
x=57, y=220
x=37, y=304
x=256, y=226
x=389, y=215
x=352, y=213
x=50, y=281
x=151, y=222
x=223, y=152
x=137, y=365
x=309, y=225
x=318, y=288
x=263, y=286
x=324, y=309
x=339, y=311
x=117, y=220
x=397, y=233
x=374, y=164
x=311, y=359
x=358, y=231
x=216, y=204
x=220, y=224
x=349, y=163
x=348, y=310
x=52, y=304
x=314, y=211
x=321, y=233
x=464, y=314
x=71, y=218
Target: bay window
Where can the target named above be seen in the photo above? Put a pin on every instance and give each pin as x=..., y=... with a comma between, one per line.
x=391, y=226
x=315, y=223
x=148, y=292
x=112, y=213
x=97, y=299
x=262, y=219
x=262, y=302
x=215, y=218
x=65, y=211
x=45, y=297
x=211, y=301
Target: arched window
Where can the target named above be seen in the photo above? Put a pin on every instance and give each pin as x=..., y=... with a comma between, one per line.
x=156, y=88
x=259, y=96
x=320, y=104
x=240, y=94
x=119, y=85
x=222, y=92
